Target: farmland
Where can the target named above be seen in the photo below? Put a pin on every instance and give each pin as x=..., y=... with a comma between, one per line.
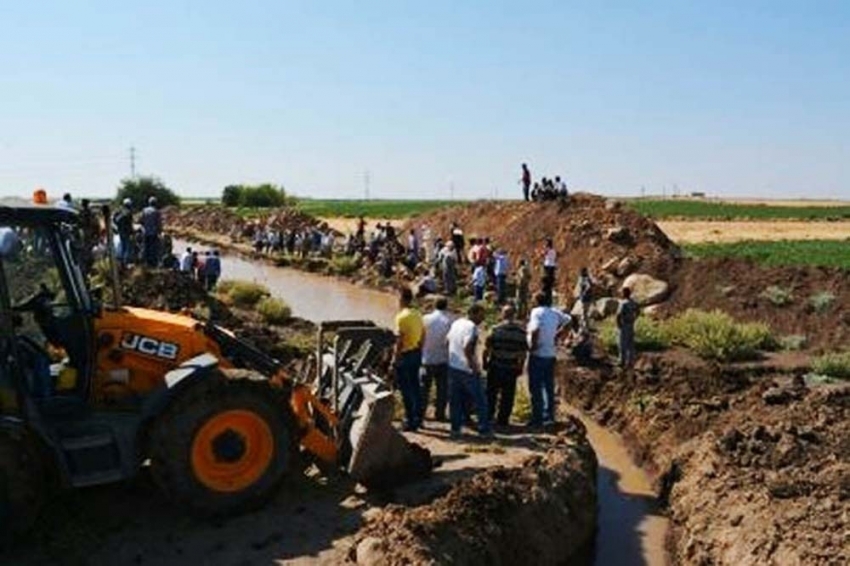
x=720, y=210
x=371, y=208
x=825, y=253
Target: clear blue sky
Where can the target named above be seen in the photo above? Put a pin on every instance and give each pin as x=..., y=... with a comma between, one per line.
x=736, y=98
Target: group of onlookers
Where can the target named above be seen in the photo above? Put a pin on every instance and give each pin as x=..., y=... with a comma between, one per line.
x=545, y=189
x=441, y=351
x=204, y=268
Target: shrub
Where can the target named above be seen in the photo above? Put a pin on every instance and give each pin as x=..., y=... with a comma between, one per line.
x=715, y=335
x=139, y=190
x=822, y=301
x=793, y=342
x=254, y=196
x=836, y=364
x=650, y=335
x=246, y=294
x=778, y=296
x=344, y=265
x=224, y=286
x=274, y=311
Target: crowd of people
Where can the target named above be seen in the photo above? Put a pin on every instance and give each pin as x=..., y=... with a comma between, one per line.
x=138, y=239
x=546, y=189
x=440, y=352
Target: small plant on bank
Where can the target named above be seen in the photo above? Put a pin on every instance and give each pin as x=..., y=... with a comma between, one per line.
x=246, y=294
x=821, y=302
x=793, y=342
x=835, y=364
x=778, y=296
x=344, y=265
x=274, y=311
x=717, y=336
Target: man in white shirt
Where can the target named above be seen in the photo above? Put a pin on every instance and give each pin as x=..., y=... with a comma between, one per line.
x=479, y=282
x=545, y=324
x=465, y=371
x=500, y=270
x=186, y=261
x=435, y=358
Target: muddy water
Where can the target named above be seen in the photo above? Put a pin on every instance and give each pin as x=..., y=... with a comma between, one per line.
x=630, y=530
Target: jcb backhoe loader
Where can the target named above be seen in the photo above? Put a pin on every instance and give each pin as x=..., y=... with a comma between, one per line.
x=89, y=393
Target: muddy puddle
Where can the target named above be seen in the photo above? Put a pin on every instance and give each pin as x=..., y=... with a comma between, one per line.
x=631, y=531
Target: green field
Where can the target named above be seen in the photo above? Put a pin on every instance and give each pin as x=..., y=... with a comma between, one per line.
x=711, y=210
x=372, y=208
x=828, y=253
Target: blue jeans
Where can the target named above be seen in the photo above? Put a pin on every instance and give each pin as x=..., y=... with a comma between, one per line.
x=479, y=292
x=541, y=386
x=501, y=288
x=407, y=378
x=626, y=343
x=463, y=383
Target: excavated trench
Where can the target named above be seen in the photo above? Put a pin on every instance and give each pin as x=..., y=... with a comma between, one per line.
x=630, y=528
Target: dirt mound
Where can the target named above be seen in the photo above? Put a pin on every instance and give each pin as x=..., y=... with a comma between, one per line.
x=741, y=288
x=544, y=511
x=588, y=231
x=212, y=219
x=755, y=468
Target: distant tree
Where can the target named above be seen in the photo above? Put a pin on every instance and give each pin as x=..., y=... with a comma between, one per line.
x=254, y=196
x=139, y=190
x=231, y=195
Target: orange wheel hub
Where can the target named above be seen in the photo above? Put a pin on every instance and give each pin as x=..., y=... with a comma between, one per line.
x=232, y=450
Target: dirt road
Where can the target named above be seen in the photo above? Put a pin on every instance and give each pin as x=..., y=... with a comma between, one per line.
x=312, y=520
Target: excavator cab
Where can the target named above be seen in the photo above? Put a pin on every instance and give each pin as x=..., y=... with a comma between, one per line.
x=49, y=311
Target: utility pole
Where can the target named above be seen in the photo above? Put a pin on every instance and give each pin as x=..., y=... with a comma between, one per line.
x=366, y=180
x=132, y=162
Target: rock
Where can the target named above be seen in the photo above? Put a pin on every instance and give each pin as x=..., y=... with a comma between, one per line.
x=370, y=550
x=576, y=311
x=605, y=307
x=651, y=310
x=612, y=205
x=626, y=266
x=593, y=242
x=646, y=289
x=780, y=395
x=610, y=266
x=619, y=235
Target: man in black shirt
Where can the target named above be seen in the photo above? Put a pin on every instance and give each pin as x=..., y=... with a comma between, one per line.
x=504, y=357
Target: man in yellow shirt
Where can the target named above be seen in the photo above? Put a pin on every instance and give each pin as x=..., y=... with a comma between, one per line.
x=410, y=333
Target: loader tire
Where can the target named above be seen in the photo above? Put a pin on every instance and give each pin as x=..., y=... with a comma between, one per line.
x=222, y=447
x=22, y=486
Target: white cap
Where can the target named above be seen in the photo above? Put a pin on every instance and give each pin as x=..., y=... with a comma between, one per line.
x=128, y=202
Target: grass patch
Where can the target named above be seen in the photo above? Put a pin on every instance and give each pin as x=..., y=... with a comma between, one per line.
x=778, y=296
x=243, y=294
x=371, y=208
x=650, y=335
x=718, y=210
x=835, y=364
x=793, y=342
x=824, y=253
x=717, y=336
x=821, y=302
x=343, y=265
x=274, y=311
x=522, y=405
